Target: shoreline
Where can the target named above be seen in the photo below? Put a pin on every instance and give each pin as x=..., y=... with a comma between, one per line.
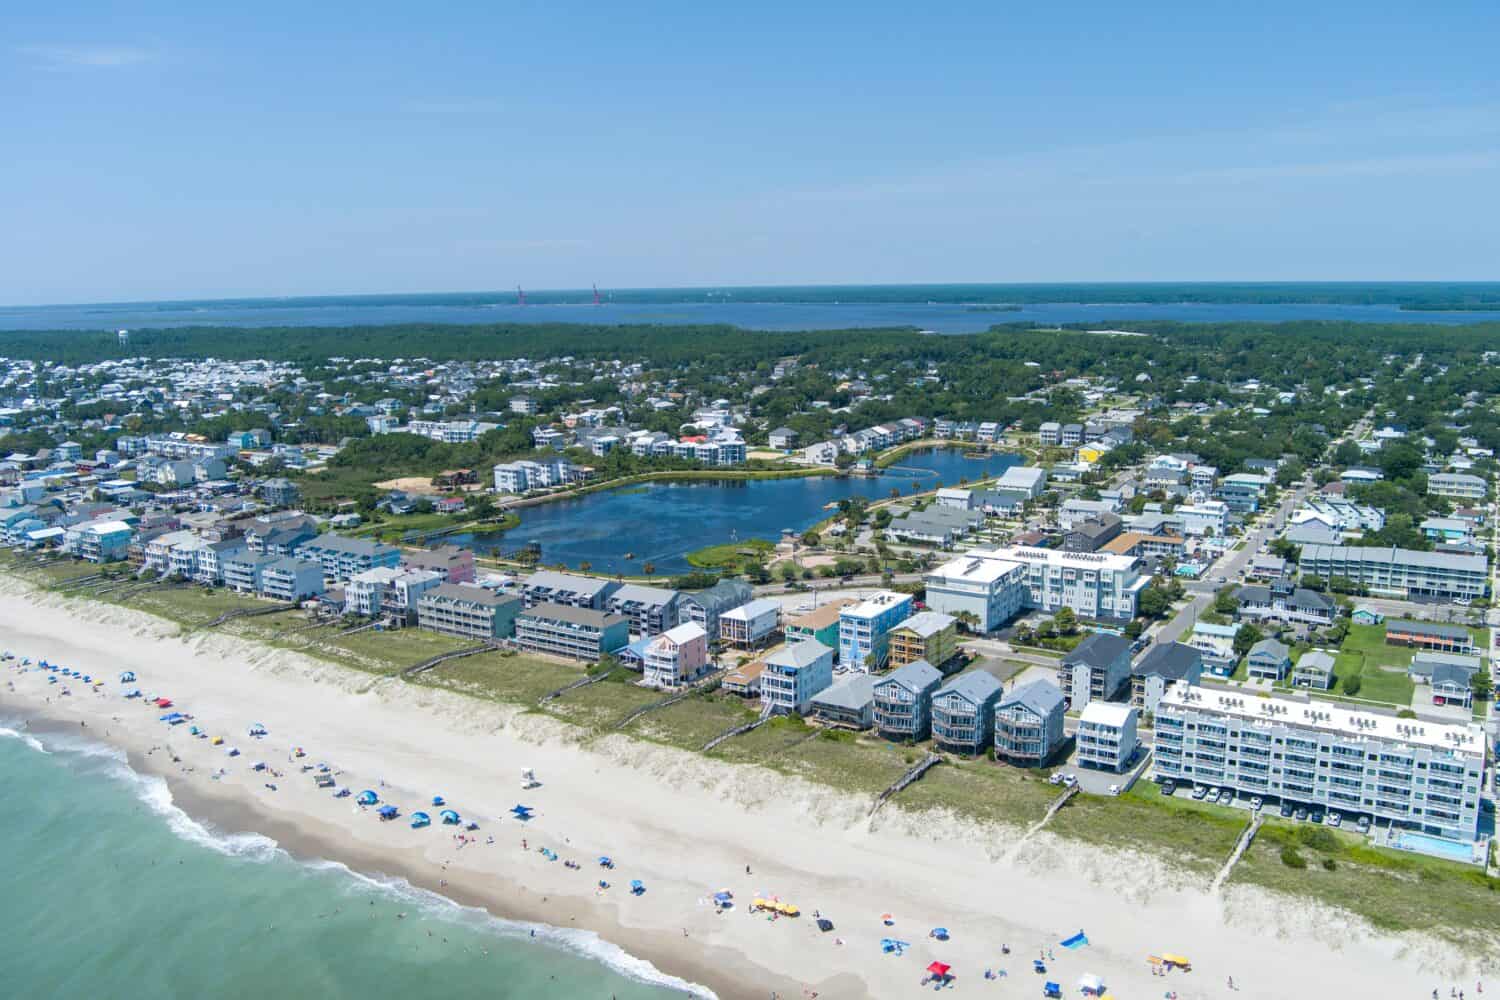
x=683, y=824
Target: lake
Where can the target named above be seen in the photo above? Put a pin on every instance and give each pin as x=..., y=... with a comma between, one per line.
x=661, y=523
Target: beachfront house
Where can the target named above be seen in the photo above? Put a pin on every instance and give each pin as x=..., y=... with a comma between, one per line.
x=456, y=564
x=291, y=579
x=864, y=629
x=242, y=572
x=849, y=704
x=1098, y=668
x=1107, y=736
x=676, y=657
x=751, y=625
x=704, y=607
x=1162, y=665
x=576, y=633
x=342, y=557
x=1268, y=660
x=651, y=610
x=1029, y=724
x=744, y=681
x=821, y=624
x=903, y=701
x=963, y=712
x=467, y=611
x=794, y=675
x=1314, y=669
x=926, y=635
x=1449, y=675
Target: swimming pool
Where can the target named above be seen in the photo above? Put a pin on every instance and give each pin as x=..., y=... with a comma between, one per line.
x=1424, y=843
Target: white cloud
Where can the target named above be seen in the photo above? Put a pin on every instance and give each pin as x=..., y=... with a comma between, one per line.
x=87, y=56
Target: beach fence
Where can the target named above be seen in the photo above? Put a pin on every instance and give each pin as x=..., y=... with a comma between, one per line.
x=269, y=609
x=581, y=682
x=452, y=654
x=708, y=681
x=764, y=717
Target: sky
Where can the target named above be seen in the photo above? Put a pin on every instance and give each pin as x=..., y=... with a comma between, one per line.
x=171, y=150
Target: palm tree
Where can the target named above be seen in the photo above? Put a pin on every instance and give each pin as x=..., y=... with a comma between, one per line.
x=585, y=566
x=649, y=569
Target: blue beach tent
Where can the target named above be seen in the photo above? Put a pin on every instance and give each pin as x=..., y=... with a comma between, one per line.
x=449, y=816
x=1076, y=941
x=368, y=798
x=386, y=812
x=127, y=677
x=437, y=800
x=637, y=886
x=521, y=812
x=419, y=820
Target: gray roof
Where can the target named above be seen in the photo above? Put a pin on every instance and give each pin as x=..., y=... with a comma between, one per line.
x=576, y=616
x=1172, y=661
x=1301, y=597
x=1429, y=628
x=1312, y=533
x=799, y=654
x=1274, y=648
x=472, y=595
x=977, y=686
x=1389, y=556
x=1042, y=697
x=1097, y=650
x=550, y=580
x=917, y=676
x=640, y=594
x=927, y=623
x=1316, y=659
x=721, y=596
x=854, y=693
x=1448, y=673
x=342, y=543
x=1424, y=664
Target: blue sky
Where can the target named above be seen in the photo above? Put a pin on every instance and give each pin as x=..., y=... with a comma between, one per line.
x=157, y=150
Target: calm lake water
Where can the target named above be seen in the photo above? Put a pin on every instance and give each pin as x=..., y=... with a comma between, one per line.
x=941, y=317
x=661, y=523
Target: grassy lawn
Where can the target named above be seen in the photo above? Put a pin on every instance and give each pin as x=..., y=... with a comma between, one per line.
x=190, y=607
x=1394, y=890
x=860, y=765
x=1381, y=669
x=983, y=791
x=1192, y=834
x=266, y=628
x=601, y=705
x=692, y=722
x=518, y=678
x=731, y=553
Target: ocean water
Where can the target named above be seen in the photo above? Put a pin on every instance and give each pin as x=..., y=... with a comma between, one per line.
x=110, y=890
x=754, y=309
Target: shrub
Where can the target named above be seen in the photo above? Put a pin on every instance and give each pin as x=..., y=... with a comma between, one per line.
x=1352, y=685
x=1291, y=858
x=1329, y=864
x=1318, y=839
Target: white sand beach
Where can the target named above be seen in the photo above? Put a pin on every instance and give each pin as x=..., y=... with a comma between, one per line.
x=684, y=825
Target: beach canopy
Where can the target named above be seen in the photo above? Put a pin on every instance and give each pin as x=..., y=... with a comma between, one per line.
x=420, y=819
x=1076, y=941
x=825, y=925
x=127, y=677
x=605, y=861
x=637, y=886
x=368, y=798
x=1178, y=960
x=387, y=812
x=164, y=703
x=941, y=933
x=449, y=816
x=1091, y=983
x=940, y=969
x=437, y=800
x=521, y=812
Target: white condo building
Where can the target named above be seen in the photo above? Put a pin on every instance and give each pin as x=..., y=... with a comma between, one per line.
x=994, y=584
x=1418, y=774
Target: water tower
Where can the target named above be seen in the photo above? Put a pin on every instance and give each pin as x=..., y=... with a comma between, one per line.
x=123, y=336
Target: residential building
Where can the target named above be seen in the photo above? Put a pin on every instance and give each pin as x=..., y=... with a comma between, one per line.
x=279, y=534
x=1145, y=546
x=1095, y=584
x=211, y=559
x=864, y=629
x=937, y=526
x=1429, y=636
x=783, y=439
x=743, y=681
x=342, y=557
x=1074, y=511
x=1163, y=665
x=651, y=610
x=1215, y=643
x=1421, y=775
x=1447, y=529
x=1282, y=600
x=1097, y=669
x=455, y=564
x=573, y=632
x=243, y=571
x=676, y=657
x=1029, y=724
x=903, y=701
x=549, y=587
x=1211, y=517
x=821, y=623
x=1050, y=433
x=1363, y=614
x=525, y=475
x=1268, y=660
x=794, y=675
x=1106, y=736
x=850, y=703
x=926, y=635
x=104, y=541
x=1024, y=479
x=1405, y=573
x=1457, y=484
x=1314, y=669
x=467, y=611
x=705, y=606
x=1093, y=534
x=963, y=712
x=1449, y=675
x=751, y=625
x=291, y=579
x=280, y=492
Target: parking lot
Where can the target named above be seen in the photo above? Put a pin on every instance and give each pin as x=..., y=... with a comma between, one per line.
x=1284, y=809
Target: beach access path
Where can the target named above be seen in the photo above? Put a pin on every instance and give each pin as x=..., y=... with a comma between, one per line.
x=685, y=825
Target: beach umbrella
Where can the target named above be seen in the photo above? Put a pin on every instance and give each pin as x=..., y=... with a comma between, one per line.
x=419, y=819
x=437, y=800
x=940, y=969
x=127, y=677
x=449, y=816
x=637, y=886
x=941, y=933
x=368, y=798
x=521, y=812
x=386, y=812
x=1090, y=983
x=722, y=898
x=887, y=919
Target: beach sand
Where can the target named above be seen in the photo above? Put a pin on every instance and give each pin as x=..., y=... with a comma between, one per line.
x=684, y=825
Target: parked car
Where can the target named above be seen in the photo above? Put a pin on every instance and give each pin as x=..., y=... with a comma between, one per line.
x=1256, y=803
x=1286, y=810
x=1199, y=791
x=1213, y=794
x=1334, y=819
x=1169, y=787
x=1301, y=814
x=1364, y=824
x=1317, y=816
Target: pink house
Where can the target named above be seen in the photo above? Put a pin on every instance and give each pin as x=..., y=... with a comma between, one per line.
x=676, y=657
x=456, y=564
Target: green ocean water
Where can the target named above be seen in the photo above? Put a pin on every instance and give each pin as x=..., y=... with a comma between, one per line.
x=107, y=889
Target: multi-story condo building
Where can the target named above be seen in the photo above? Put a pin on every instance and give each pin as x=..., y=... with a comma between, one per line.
x=1405, y=573
x=1107, y=736
x=1163, y=665
x=243, y=572
x=291, y=579
x=1093, y=584
x=104, y=541
x=280, y=492
x=926, y=635
x=211, y=559
x=676, y=657
x=984, y=585
x=794, y=675
x=821, y=623
x=279, y=534
x=1429, y=635
x=963, y=712
x=469, y=612
x=1457, y=484
x=1097, y=669
x=524, y=476
x=449, y=431
x=1211, y=517
x=1029, y=724
x=454, y=563
x=651, y=610
x=187, y=447
x=343, y=557
x=159, y=549
x=1412, y=773
x=864, y=629
x=903, y=701
x=548, y=587
x=576, y=633
x=705, y=606
x=751, y=625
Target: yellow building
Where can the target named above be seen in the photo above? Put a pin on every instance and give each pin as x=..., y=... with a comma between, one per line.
x=1091, y=453
x=926, y=635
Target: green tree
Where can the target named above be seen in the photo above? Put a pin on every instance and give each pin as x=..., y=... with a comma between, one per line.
x=649, y=569
x=1066, y=621
x=1247, y=635
x=811, y=538
x=1153, y=602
